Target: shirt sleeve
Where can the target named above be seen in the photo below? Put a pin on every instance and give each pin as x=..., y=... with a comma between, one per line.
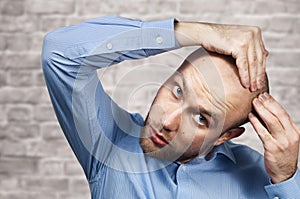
x=90, y=120
x=285, y=190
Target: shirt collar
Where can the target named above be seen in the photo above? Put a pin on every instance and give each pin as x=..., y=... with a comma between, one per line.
x=223, y=149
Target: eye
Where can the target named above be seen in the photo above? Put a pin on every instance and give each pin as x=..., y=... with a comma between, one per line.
x=199, y=119
x=177, y=91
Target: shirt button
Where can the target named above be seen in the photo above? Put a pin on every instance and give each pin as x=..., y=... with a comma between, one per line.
x=183, y=168
x=276, y=197
x=109, y=46
x=159, y=39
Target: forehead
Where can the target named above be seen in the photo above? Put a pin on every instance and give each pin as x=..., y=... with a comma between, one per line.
x=214, y=82
x=203, y=81
x=217, y=75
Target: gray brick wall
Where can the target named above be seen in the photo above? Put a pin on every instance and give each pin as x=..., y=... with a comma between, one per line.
x=35, y=160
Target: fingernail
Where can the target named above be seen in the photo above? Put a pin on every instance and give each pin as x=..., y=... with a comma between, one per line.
x=250, y=115
x=254, y=86
x=266, y=95
x=262, y=98
x=257, y=102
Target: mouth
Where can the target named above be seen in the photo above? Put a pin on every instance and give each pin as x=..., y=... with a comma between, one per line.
x=157, y=138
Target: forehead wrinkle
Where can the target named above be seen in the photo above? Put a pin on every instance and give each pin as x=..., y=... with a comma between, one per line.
x=221, y=100
x=203, y=92
x=220, y=95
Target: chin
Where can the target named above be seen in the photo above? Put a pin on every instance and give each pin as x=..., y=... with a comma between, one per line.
x=164, y=153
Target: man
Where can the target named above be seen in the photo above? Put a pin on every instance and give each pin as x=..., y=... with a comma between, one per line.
x=183, y=148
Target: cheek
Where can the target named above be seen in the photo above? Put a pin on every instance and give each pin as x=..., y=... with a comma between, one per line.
x=201, y=142
x=191, y=144
x=187, y=131
x=197, y=141
x=188, y=136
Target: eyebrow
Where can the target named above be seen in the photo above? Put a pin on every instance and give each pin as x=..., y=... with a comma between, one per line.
x=202, y=109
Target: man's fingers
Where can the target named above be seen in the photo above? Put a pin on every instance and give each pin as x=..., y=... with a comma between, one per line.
x=262, y=75
x=242, y=64
x=251, y=61
x=261, y=70
x=252, y=67
x=261, y=131
x=276, y=110
x=262, y=78
x=265, y=51
x=272, y=122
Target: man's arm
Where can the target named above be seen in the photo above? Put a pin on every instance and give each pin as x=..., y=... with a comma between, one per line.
x=281, y=139
x=71, y=55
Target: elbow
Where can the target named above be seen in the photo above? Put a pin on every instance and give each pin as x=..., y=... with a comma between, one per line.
x=52, y=53
x=47, y=50
x=49, y=59
x=46, y=56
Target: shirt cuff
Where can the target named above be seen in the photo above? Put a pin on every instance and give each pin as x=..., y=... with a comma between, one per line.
x=287, y=189
x=159, y=34
x=126, y=35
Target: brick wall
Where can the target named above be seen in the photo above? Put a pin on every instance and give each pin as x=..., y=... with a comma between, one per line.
x=35, y=159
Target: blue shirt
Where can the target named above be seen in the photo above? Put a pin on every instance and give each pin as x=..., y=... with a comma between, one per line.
x=105, y=138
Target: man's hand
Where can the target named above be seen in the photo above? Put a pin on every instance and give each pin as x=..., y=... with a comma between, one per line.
x=244, y=43
x=280, y=137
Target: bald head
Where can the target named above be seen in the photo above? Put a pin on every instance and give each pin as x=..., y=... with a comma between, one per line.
x=195, y=108
x=219, y=75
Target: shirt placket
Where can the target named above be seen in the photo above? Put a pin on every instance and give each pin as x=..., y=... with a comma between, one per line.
x=183, y=182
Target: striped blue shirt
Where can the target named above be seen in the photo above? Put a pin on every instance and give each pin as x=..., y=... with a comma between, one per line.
x=105, y=137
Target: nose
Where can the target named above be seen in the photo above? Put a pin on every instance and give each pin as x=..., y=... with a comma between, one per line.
x=172, y=120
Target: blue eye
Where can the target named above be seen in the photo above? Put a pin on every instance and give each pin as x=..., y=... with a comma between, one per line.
x=177, y=91
x=199, y=119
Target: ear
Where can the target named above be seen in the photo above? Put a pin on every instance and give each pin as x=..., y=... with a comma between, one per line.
x=232, y=133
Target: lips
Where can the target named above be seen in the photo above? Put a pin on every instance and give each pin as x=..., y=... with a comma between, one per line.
x=157, y=138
